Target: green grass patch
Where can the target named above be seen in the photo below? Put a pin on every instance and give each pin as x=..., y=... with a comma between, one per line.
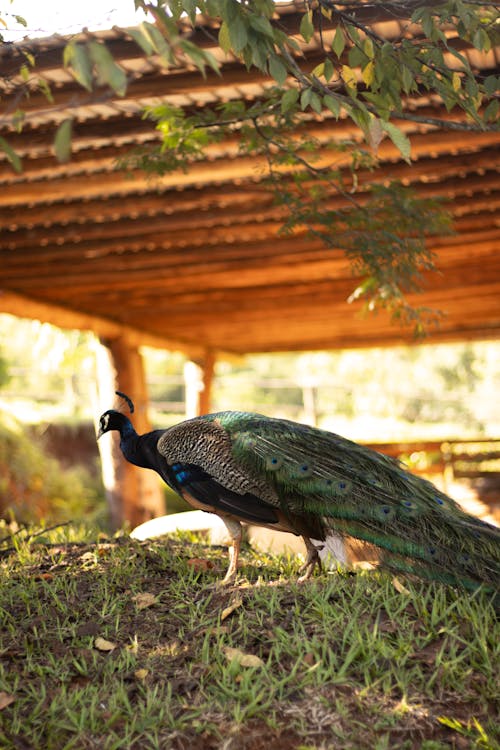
x=88, y=660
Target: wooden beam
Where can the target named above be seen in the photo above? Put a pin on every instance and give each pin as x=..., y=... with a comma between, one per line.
x=253, y=214
x=26, y=307
x=100, y=154
x=225, y=169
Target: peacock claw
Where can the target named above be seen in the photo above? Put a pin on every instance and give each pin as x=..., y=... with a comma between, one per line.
x=312, y=560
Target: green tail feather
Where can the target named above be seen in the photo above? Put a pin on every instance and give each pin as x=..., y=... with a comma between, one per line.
x=324, y=481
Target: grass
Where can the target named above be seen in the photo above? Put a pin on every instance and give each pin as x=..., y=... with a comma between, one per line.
x=343, y=661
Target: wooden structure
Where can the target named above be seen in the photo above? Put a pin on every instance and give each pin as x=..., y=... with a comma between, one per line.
x=193, y=260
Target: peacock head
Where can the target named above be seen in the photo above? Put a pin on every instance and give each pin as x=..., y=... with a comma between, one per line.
x=112, y=420
x=115, y=420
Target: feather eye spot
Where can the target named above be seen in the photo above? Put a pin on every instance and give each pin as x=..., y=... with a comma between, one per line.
x=373, y=480
x=304, y=470
x=439, y=500
x=342, y=487
x=246, y=440
x=409, y=509
x=385, y=512
x=273, y=463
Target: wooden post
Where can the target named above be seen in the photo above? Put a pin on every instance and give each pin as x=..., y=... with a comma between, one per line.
x=134, y=494
x=198, y=378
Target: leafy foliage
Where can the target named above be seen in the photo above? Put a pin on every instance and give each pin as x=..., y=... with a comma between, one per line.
x=34, y=486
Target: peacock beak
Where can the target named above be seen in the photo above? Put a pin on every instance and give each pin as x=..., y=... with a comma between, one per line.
x=100, y=433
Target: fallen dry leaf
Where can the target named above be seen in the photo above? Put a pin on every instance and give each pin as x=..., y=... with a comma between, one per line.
x=399, y=586
x=88, y=557
x=141, y=674
x=144, y=600
x=245, y=660
x=101, y=644
x=6, y=699
x=230, y=608
x=200, y=564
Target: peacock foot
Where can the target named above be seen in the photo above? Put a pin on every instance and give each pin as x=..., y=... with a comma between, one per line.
x=312, y=560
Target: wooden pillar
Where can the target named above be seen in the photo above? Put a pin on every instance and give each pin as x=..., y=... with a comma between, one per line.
x=198, y=378
x=134, y=495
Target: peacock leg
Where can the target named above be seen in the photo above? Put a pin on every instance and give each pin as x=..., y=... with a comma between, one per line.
x=234, y=528
x=312, y=559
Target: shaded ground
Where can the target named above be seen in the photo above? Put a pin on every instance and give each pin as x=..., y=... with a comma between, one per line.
x=131, y=645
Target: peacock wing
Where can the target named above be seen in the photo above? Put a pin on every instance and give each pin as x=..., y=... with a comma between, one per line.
x=199, y=459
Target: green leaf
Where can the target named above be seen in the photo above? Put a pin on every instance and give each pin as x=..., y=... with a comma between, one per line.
x=368, y=48
x=399, y=139
x=329, y=69
x=238, y=34
x=481, y=40
x=407, y=79
x=200, y=57
x=289, y=100
x=306, y=26
x=338, y=44
x=349, y=78
x=108, y=72
x=460, y=57
x=491, y=84
x=353, y=33
x=142, y=39
x=62, y=141
x=319, y=70
x=332, y=104
x=356, y=57
x=262, y=25
x=29, y=57
x=11, y=155
x=426, y=21
x=368, y=73
x=191, y=7
x=490, y=114
x=305, y=98
x=315, y=102
x=224, y=38
x=277, y=70
x=160, y=44
x=76, y=58
x=44, y=87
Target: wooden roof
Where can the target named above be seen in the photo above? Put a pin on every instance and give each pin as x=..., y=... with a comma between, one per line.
x=194, y=259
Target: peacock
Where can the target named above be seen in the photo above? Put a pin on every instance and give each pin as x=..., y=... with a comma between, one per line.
x=313, y=483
